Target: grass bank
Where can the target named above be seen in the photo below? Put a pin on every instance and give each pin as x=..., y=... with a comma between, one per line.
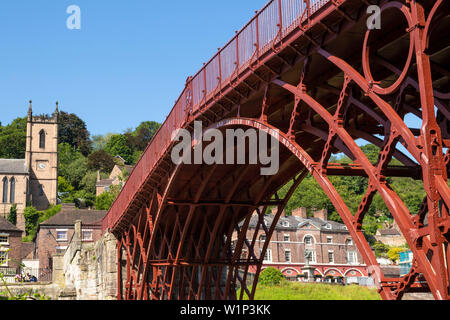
x=304, y=291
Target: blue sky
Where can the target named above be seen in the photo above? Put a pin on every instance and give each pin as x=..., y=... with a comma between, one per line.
x=127, y=64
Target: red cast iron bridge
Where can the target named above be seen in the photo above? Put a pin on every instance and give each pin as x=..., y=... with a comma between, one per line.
x=314, y=71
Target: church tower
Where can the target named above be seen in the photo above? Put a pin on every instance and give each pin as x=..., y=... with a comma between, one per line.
x=41, y=157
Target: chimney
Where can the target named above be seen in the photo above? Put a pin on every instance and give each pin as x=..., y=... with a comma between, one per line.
x=98, y=176
x=275, y=211
x=300, y=212
x=321, y=214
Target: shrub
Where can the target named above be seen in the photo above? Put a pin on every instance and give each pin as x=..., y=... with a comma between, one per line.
x=33, y=218
x=271, y=276
x=394, y=253
x=12, y=216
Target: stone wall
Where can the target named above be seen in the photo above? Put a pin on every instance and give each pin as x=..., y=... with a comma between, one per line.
x=90, y=269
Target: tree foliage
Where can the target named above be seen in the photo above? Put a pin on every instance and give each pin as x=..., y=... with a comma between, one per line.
x=33, y=218
x=13, y=139
x=12, y=216
x=106, y=199
x=270, y=277
x=72, y=130
x=352, y=190
x=118, y=146
x=100, y=161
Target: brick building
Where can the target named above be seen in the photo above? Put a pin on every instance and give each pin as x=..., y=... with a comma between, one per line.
x=115, y=178
x=10, y=245
x=54, y=235
x=332, y=249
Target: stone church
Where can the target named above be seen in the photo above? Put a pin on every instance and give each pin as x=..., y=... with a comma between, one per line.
x=33, y=180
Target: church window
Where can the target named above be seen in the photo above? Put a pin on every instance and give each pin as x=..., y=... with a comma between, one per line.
x=12, y=196
x=5, y=190
x=42, y=139
x=41, y=190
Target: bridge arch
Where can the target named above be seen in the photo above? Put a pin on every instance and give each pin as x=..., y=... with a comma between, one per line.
x=189, y=233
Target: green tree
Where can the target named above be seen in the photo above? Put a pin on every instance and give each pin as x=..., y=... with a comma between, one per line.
x=12, y=216
x=118, y=146
x=381, y=250
x=89, y=182
x=13, y=139
x=75, y=172
x=142, y=135
x=31, y=215
x=394, y=253
x=72, y=130
x=270, y=277
x=106, y=199
x=101, y=161
x=100, y=141
x=64, y=186
x=33, y=218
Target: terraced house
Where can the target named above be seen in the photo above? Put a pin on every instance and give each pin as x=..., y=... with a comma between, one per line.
x=328, y=244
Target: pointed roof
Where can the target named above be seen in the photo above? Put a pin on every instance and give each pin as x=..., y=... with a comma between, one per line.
x=5, y=225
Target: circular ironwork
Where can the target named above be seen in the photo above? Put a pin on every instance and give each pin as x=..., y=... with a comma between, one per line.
x=366, y=53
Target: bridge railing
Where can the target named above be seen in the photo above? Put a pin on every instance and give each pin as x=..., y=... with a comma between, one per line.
x=268, y=27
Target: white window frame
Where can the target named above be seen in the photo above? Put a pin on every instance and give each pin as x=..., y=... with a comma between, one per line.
x=308, y=237
x=87, y=230
x=286, y=224
x=314, y=257
x=332, y=254
x=268, y=256
x=349, y=242
x=328, y=226
x=5, y=252
x=290, y=255
x=288, y=236
x=331, y=240
x=61, y=230
x=354, y=256
x=7, y=239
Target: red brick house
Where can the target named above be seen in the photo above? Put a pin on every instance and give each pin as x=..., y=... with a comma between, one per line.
x=333, y=251
x=54, y=235
x=10, y=246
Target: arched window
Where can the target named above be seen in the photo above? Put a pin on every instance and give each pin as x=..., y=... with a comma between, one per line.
x=12, y=194
x=308, y=240
x=42, y=139
x=5, y=190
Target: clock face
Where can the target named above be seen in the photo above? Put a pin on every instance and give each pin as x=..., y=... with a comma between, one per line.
x=41, y=166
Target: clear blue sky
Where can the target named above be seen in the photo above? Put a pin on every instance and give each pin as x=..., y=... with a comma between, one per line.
x=127, y=64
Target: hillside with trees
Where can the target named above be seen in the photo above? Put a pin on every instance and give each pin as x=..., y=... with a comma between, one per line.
x=352, y=189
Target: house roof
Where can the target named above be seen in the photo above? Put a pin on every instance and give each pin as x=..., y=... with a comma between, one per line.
x=67, y=218
x=13, y=166
x=295, y=223
x=389, y=232
x=391, y=271
x=27, y=248
x=5, y=225
x=104, y=183
x=126, y=167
